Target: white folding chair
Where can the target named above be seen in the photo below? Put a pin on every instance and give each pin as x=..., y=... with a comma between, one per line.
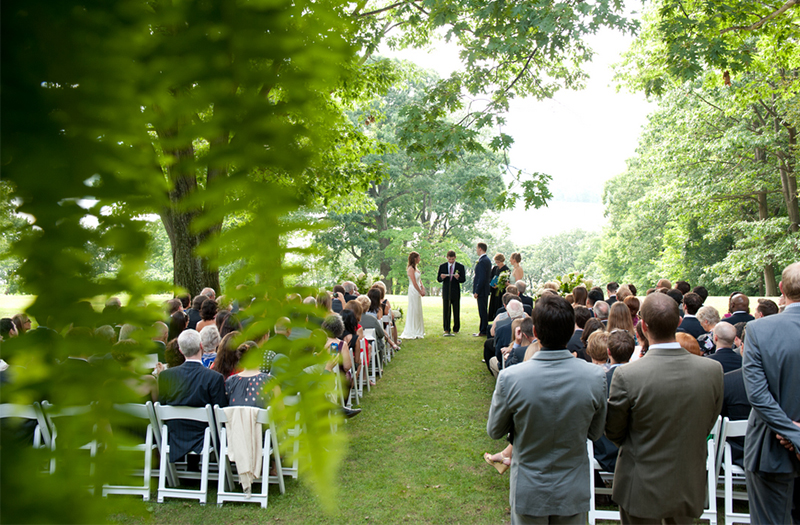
x=363, y=349
x=387, y=328
x=294, y=432
x=33, y=412
x=733, y=473
x=143, y=412
x=205, y=415
x=269, y=450
x=595, y=513
x=51, y=414
x=710, y=511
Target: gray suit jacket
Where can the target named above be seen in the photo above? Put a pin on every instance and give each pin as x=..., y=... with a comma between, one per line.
x=660, y=411
x=554, y=402
x=771, y=368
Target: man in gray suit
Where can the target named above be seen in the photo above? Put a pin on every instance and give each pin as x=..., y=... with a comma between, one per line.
x=771, y=368
x=552, y=403
x=660, y=411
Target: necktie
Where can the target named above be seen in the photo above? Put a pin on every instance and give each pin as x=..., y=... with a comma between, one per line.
x=451, y=271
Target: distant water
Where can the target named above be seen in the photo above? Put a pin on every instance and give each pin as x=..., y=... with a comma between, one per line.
x=528, y=227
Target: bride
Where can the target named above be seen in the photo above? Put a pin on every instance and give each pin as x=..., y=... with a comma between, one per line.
x=414, y=325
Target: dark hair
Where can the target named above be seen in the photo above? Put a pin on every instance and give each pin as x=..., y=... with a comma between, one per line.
x=172, y=354
x=324, y=301
x=644, y=342
x=591, y=326
x=515, y=257
x=220, y=318
x=632, y=288
x=413, y=259
x=177, y=324
x=208, y=310
x=621, y=345
x=507, y=298
x=767, y=307
x=526, y=327
x=554, y=320
x=701, y=291
x=6, y=325
x=451, y=253
x=660, y=312
x=185, y=299
x=595, y=295
x=582, y=314
x=374, y=296
x=692, y=303
x=338, y=289
x=198, y=301
x=683, y=286
x=228, y=355
x=230, y=324
x=173, y=305
x=633, y=305
x=676, y=294
x=579, y=293
x=740, y=327
x=350, y=321
x=612, y=287
x=482, y=246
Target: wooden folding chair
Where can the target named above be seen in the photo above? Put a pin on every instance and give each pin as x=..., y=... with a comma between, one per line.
x=269, y=450
x=733, y=474
x=595, y=513
x=205, y=415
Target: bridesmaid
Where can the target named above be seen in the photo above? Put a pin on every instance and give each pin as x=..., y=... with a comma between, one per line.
x=496, y=296
x=517, y=273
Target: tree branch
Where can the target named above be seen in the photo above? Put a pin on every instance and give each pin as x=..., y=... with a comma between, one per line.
x=379, y=11
x=785, y=7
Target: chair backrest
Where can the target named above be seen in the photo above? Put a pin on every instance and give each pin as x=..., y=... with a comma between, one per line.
x=221, y=418
x=202, y=414
x=32, y=412
x=369, y=334
x=52, y=412
x=733, y=429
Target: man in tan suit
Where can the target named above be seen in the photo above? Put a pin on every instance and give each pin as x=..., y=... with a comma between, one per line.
x=660, y=411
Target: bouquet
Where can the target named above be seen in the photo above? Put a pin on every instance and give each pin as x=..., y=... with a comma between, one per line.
x=502, y=282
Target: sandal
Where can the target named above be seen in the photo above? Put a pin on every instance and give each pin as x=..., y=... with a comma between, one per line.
x=501, y=466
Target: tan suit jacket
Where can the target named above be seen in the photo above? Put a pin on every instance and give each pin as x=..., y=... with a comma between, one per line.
x=661, y=409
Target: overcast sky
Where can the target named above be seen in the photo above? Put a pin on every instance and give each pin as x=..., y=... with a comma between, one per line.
x=580, y=138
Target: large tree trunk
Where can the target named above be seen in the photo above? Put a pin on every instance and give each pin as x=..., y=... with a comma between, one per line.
x=769, y=272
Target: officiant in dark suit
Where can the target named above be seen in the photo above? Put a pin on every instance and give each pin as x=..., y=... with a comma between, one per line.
x=451, y=275
x=481, y=288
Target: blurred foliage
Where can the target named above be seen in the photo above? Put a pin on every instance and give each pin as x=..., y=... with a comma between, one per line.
x=87, y=88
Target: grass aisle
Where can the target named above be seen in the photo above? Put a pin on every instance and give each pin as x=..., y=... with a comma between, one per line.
x=414, y=454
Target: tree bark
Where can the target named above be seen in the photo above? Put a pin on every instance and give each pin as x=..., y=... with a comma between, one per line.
x=769, y=271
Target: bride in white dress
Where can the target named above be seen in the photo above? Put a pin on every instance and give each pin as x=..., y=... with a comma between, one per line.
x=415, y=328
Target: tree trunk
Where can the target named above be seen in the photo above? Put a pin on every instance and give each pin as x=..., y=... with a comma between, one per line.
x=769, y=272
x=385, y=269
x=788, y=179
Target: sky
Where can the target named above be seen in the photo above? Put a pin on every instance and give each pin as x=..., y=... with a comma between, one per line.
x=580, y=138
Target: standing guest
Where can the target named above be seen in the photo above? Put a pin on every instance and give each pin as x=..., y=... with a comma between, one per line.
x=619, y=318
x=208, y=312
x=451, y=274
x=771, y=370
x=612, y=288
x=688, y=343
x=632, y=288
x=724, y=335
x=495, y=299
x=739, y=308
x=594, y=296
x=633, y=305
x=600, y=309
x=709, y=318
x=623, y=293
x=580, y=294
x=765, y=308
x=480, y=288
x=691, y=304
x=550, y=395
x=592, y=325
x=516, y=263
x=660, y=474
x=597, y=349
x=701, y=291
x=683, y=286
x=582, y=315
x=194, y=311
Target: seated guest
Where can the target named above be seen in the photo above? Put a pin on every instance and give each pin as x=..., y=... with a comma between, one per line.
x=724, y=335
x=582, y=315
x=512, y=289
x=371, y=304
x=230, y=323
x=739, y=308
x=177, y=324
x=663, y=283
x=736, y=407
x=521, y=287
x=207, y=314
x=246, y=388
x=23, y=323
x=338, y=301
x=765, y=307
x=174, y=305
x=501, y=312
x=633, y=305
x=709, y=318
x=688, y=343
x=597, y=348
x=172, y=354
x=620, y=318
x=691, y=304
x=190, y=384
x=503, y=334
x=591, y=326
x=325, y=302
x=227, y=361
x=350, y=291
x=194, y=311
x=600, y=309
x=489, y=347
x=7, y=329
x=210, y=338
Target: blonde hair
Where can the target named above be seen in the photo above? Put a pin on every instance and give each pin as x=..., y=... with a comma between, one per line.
x=597, y=345
x=790, y=282
x=500, y=257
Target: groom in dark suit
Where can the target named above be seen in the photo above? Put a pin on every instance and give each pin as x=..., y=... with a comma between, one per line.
x=480, y=287
x=451, y=275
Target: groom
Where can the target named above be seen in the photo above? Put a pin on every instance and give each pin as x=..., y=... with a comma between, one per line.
x=480, y=287
x=451, y=275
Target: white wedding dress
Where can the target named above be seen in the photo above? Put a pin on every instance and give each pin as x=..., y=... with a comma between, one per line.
x=415, y=328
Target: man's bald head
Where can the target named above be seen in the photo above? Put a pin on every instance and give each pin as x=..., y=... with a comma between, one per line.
x=740, y=303
x=661, y=317
x=725, y=334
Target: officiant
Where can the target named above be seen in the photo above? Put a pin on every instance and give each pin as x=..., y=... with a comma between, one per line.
x=451, y=274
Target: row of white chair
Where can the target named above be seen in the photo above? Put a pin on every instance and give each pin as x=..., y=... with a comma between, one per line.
x=719, y=458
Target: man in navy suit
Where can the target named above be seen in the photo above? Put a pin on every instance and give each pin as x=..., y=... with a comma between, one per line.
x=739, y=306
x=190, y=384
x=451, y=275
x=771, y=367
x=612, y=288
x=691, y=304
x=480, y=287
x=724, y=335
